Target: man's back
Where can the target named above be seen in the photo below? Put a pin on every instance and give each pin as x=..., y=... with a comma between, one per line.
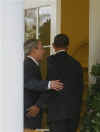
x=65, y=103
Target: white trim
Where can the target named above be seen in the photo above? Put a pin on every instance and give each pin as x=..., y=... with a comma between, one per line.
x=58, y=16
x=55, y=23
x=37, y=3
x=46, y=46
x=91, y=35
x=94, y=31
x=37, y=24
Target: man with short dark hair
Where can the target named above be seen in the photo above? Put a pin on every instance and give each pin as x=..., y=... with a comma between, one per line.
x=34, y=86
x=64, y=106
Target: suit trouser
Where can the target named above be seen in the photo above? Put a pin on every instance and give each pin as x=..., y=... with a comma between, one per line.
x=67, y=125
x=32, y=123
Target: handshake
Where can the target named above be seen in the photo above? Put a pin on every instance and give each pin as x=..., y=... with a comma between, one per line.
x=33, y=111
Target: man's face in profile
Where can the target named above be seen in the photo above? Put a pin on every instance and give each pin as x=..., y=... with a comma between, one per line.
x=39, y=51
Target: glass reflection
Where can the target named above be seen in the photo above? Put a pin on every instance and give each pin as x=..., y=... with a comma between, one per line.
x=44, y=24
x=30, y=23
x=30, y=18
x=44, y=33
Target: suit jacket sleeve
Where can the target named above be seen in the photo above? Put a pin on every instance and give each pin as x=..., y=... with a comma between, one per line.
x=43, y=100
x=31, y=82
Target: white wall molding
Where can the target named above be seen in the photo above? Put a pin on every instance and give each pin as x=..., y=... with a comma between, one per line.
x=94, y=33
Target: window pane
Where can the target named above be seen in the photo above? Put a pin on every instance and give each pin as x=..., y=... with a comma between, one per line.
x=44, y=33
x=30, y=25
x=44, y=24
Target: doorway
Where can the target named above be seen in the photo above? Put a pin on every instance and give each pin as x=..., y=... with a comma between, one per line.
x=69, y=17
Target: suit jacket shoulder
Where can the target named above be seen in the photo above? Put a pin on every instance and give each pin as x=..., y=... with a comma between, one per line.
x=75, y=62
x=51, y=58
x=70, y=59
x=28, y=62
x=29, y=66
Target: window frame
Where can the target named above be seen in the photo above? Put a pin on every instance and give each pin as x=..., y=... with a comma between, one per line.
x=55, y=17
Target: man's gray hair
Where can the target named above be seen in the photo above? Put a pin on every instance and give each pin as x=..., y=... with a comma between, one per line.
x=29, y=45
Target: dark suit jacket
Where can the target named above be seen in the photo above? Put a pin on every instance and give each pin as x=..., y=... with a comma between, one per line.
x=67, y=102
x=34, y=86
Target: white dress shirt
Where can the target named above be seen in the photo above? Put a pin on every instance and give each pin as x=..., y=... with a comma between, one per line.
x=37, y=63
x=60, y=51
x=34, y=60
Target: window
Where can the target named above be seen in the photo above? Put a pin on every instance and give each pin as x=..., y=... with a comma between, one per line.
x=38, y=25
x=47, y=13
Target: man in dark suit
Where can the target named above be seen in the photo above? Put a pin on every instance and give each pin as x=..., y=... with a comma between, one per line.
x=64, y=106
x=34, y=86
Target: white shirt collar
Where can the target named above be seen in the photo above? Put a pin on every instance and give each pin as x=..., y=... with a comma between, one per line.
x=34, y=60
x=59, y=51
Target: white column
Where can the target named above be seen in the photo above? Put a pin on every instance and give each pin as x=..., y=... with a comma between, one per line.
x=94, y=40
x=11, y=65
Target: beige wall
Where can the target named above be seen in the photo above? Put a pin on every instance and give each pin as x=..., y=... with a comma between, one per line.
x=75, y=23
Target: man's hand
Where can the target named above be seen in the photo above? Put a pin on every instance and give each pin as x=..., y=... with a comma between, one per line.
x=56, y=85
x=33, y=111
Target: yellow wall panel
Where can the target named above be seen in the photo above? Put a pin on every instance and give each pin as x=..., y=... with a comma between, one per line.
x=75, y=23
